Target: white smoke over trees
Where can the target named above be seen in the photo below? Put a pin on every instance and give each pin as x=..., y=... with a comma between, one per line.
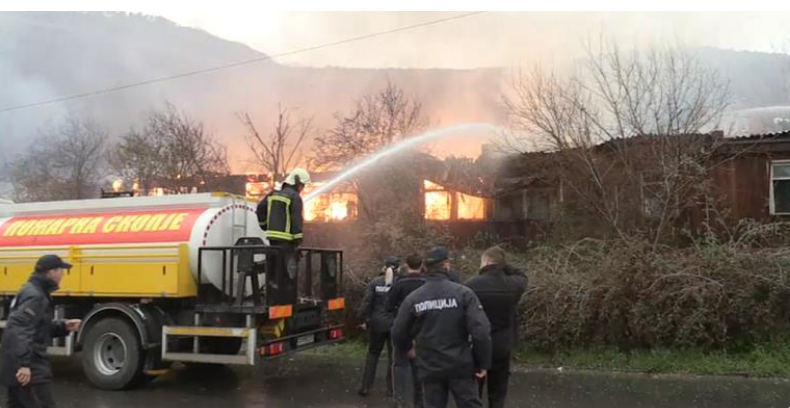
x=173, y=151
x=65, y=162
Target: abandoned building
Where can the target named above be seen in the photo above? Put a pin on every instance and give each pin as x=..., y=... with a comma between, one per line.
x=748, y=178
x=516, y=197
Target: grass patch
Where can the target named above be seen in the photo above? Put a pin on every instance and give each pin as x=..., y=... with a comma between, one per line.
x=768, y=360
x=350, y=348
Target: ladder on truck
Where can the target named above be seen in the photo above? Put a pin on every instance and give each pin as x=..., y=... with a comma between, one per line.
x=238, y=212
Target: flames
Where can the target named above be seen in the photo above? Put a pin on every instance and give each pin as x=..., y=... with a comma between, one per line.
x=334, y=206
x=442, y=204
x=331, y=207
x=438, y=204
x=471, y=207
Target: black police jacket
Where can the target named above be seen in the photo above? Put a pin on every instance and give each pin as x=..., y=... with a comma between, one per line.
x=403, y=287
x=29, y=330
x=451, y=331
x=499, y=288
x=373, y=309
x=280, y=215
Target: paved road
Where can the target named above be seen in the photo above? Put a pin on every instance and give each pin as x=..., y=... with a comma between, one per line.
x=323, y=382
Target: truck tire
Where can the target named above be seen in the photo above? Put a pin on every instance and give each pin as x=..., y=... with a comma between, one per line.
x=112, y=356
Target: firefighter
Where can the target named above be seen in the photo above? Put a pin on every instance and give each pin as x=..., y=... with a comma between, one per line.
x=280, y=215
x=499, y=288
x=452, y=335
x=24, y=367
x=378, y=322
x=280, y=212
x=411, y=280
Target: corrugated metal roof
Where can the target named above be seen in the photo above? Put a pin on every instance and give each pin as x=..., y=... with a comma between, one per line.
x=762, y=136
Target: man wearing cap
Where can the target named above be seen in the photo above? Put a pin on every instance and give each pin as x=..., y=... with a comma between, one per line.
x=24, y=367
x=452, y=335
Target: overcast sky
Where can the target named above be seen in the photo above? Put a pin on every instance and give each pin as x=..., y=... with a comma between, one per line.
x=492, y=39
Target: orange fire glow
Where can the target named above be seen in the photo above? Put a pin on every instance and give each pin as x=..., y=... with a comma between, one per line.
x=442, y=204
x=437, y=205
x=331, y=207
x=471, y=207
x=334, y=206
x=256, y=190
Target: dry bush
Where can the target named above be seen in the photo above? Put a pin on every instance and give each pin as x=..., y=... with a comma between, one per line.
x=712, y=294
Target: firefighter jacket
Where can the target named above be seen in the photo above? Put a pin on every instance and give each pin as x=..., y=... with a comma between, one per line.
x=280, y=215
x=451, y=331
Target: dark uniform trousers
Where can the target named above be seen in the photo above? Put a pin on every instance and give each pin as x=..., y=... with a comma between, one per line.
x=497, y=381
x=401, y=375
x=32, y=396
x=377, y=342
x=464, y=390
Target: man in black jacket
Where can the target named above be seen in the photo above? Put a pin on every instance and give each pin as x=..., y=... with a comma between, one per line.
x=378, y=321
x=412, y=280
x=24, y=367
x=499, y=288
x=442, y=316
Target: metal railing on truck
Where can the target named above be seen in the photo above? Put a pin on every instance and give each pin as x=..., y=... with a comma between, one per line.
x=267, y=285
x=289, y=277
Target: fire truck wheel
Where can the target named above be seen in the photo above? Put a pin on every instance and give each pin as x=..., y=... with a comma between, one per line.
x=112, y=356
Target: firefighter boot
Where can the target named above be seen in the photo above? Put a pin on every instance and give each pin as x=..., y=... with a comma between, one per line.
x=368, y=374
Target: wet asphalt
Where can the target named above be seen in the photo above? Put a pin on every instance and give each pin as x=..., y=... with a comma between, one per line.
x=306, y=381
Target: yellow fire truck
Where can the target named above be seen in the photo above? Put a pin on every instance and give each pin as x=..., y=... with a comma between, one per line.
x=176, y=278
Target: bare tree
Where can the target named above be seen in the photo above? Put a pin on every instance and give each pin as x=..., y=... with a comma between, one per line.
x=63, y=163
x=377, y=120
x=138, y=160
x=625, y=131
x=281, y=149
x=172, y=152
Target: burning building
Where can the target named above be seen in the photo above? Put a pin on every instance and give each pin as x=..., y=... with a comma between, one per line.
x=443, y=204
x=340, y=204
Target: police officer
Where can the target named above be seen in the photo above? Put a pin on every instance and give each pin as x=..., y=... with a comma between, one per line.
x=24, y=367
x=452, y=335
x=280, y=215
x=499, y=288
x=411, y=280
x=378, y=323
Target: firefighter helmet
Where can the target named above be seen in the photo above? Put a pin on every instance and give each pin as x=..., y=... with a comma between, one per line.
x=298, y=175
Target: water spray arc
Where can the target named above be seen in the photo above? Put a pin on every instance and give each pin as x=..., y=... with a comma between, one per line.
x=399, y=146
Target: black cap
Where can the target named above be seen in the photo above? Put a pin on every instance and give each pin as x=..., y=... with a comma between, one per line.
x=391, y=261
x=49, y=262
x=436, y=256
